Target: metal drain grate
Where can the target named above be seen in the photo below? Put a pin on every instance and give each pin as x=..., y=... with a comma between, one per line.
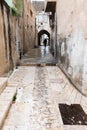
x=73, y=114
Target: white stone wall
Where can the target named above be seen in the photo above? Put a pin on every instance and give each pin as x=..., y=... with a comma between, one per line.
x=42, y=22
x=72, y=26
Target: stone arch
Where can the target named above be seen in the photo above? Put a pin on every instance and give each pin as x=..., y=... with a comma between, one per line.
x=41, y=33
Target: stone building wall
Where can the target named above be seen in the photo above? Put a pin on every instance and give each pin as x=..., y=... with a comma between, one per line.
x=17, y=34
x=42, y=25
x=72, y=40
x=29, y=26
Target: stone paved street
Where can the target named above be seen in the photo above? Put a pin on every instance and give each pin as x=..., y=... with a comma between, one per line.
x=39, y=92
x=38, y=56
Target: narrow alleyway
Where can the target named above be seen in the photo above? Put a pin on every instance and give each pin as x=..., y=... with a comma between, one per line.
x=40, y=90
x=42, y=50
x=38, y=55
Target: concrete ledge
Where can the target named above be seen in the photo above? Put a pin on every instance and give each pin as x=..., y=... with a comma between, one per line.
x=3, y=84
x=5, y=106
x=6, y=99
x=39, y=64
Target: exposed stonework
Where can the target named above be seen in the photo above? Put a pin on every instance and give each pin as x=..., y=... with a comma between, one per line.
x=72, y=22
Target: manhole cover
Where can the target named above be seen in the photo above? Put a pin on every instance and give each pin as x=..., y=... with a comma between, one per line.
x=73, y=114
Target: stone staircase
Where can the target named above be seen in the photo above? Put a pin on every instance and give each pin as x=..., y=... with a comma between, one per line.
x=6, y=98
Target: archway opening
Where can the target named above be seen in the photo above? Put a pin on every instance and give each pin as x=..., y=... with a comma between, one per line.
x=43, y=35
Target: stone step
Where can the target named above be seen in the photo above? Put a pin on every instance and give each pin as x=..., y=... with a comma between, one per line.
x=6, y=99
x=3, y=84
x=39, y=64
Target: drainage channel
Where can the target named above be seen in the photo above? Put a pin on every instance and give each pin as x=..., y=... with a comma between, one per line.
x=73, y=114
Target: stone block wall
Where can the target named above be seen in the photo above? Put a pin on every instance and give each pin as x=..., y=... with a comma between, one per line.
x=17, y=34
x=5, y=46
x=29, y=26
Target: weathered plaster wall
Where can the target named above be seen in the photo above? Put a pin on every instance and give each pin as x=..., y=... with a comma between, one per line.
x=72, y=40
x=4, y=40
x=29, y=26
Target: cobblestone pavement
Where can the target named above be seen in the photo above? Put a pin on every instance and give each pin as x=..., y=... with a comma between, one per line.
x=40, y=90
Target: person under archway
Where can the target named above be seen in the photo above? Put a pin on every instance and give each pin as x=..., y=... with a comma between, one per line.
x=45, y=42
